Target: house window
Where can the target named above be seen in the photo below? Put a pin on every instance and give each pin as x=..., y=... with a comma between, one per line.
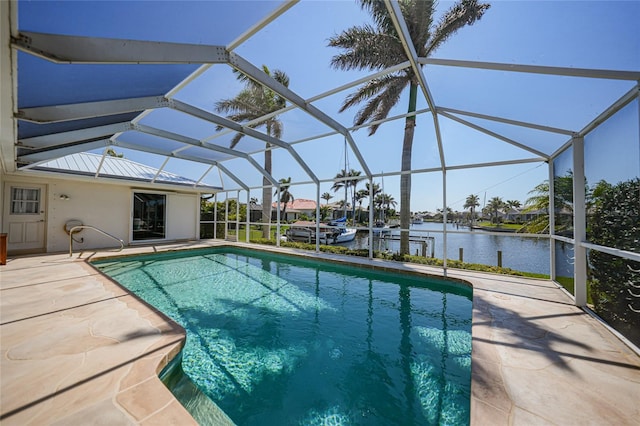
x=149, y=216
x=25, y=201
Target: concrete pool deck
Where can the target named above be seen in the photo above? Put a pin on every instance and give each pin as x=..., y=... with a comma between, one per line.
x=77, y=349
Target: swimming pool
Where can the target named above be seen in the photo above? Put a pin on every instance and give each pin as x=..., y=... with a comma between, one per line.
x=275, y=339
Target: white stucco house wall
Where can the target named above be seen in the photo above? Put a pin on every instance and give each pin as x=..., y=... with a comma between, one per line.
x=132, y=202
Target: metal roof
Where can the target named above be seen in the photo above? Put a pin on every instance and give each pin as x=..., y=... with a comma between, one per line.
x=87, y=164
x=105, y=80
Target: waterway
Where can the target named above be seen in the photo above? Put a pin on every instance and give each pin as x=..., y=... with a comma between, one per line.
x=529, y=254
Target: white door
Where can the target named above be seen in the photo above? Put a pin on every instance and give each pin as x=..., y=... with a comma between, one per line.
x=25, y=216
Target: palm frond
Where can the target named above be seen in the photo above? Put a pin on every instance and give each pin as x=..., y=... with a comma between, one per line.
x=372, y=88
x=379, y=106
x=418, y=16
x=281, y=77
x=366, y=48
x=277, y=129
x=244, y=78
x=388, y=101
x=380, y=14
x=244, y=102
x=236, y=138
x=253, y=102
x=466, y=12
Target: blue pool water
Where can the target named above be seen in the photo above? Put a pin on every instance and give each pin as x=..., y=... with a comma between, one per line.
x=276, y=340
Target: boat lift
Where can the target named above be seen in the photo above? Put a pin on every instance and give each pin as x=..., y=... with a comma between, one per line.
x=424, y=241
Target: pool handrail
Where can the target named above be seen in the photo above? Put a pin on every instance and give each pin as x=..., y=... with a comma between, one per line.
x=78, y=227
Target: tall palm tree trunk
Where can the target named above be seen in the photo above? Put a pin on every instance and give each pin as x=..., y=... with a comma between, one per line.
x=405, y=179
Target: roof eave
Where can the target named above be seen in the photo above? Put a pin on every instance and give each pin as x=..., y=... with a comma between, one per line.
x=115, y=180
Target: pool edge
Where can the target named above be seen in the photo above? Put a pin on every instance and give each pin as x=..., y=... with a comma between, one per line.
x=143, y=378
x=496, y=383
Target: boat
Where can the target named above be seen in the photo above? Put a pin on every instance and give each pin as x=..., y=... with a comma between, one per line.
x=345, y=234
x=417, y=220
x=306, y=232
x=380, y=228
x=331, y=233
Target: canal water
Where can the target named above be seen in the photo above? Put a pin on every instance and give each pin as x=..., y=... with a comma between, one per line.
x=527, y=254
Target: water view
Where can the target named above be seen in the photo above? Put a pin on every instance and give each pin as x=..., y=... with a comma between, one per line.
x=520, y=253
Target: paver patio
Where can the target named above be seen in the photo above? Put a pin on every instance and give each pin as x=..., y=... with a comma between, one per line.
x=77, y=348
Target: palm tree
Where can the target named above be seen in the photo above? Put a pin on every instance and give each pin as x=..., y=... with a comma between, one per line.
x=384, y=201
x=512, y=205
x=285, y=195
x=343, y=205
x=324, y=212
x=563, y=194
x=255, y=101
x=353, y=183
x=471, y=203
x=359, y=198
x=563, y=199
x=539, y=199
x=326, y=197
x=375, y=48
x=376, y=189
x=495, y=205
x=346, y=184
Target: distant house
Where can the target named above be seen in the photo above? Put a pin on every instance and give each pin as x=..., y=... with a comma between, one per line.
x=336, y=210
x=512, y=215
x=295, y=209
x=520, y=215
x=255, y=212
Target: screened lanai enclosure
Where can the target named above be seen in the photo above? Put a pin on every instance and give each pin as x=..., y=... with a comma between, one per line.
x=525, y=118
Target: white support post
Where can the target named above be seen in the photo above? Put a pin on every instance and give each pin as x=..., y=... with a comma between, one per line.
x=226, y=216
x=237, y=215
x=444, y=220
x=579, y=224
x=317, y=235
x=278, y=228
x=371, y=218
x=248, y=217
x=198, y=215
x=160, y=169
x=278, y=218
x=215, y=216
x=318, y=218
x=552, y=225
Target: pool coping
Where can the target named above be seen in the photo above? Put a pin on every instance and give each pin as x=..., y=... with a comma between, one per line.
x=536, y=357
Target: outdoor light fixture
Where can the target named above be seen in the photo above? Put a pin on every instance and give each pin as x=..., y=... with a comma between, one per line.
x=63, y=197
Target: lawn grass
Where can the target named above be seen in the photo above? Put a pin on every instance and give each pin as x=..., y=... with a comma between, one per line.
x=255, y=233
x=486, y=224
x=568, y=284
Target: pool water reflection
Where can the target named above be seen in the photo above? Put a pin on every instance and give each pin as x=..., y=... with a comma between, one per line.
x=279, y=340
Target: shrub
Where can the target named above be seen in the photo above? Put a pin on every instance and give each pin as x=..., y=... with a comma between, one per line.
x=615, y=281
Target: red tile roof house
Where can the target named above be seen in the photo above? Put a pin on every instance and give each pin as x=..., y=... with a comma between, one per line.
x=295, y=209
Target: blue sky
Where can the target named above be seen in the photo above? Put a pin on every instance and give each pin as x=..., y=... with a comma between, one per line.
x=582, y=34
